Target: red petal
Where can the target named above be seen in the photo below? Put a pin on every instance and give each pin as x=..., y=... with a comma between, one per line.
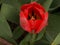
x=37, y=24
x=38, y=6
x=39, y=12
x=43, y=24
x=24, y=23
x=29, y=9
x=26, y=13
x=32, y=24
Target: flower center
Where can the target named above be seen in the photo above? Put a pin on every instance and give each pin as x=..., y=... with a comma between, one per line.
x=33, y=16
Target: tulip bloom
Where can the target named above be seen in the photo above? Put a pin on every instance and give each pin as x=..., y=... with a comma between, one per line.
x=33, y=17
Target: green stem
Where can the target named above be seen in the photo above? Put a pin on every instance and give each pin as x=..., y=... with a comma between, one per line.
x=32, y=39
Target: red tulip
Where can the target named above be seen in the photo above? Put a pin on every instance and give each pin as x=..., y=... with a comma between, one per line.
x=33, y=17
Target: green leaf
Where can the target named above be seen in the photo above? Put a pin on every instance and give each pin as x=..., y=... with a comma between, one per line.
x=4, y=27
x=15, y=3
x=40, y=35
x=53, y=27
x=17, y=32
x=55, y=4
x=5, y=31
x=26, y=40
x=10, y=13
x=47, y=4
x=28, y=37
x=41, y=1
x=57, y=40
x=43, y=41
x=0, y=2
x=25, y=2
x=48, y=37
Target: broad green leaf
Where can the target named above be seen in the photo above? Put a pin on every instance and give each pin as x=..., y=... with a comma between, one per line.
x=25, y=2
x=43, y=41
x=4, y=27
x=57, y=40
x=15, y=3
x=17, y=32
x=26, y=40
x=0, y=2
x=5, y=31
x=53, y=27
x=40, y=35
x=55, y=4
x=47, y=4
x=48, y=37
x=10, y=13
x=41, y=1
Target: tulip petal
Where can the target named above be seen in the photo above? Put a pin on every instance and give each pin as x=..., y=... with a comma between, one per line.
x=26, y=13
x=24, y=22
x=38, y=6
x=39, y=12
x=43, y=23
x=37, y=24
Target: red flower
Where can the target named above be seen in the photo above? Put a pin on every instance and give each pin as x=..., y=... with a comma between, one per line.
x=33, y=17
